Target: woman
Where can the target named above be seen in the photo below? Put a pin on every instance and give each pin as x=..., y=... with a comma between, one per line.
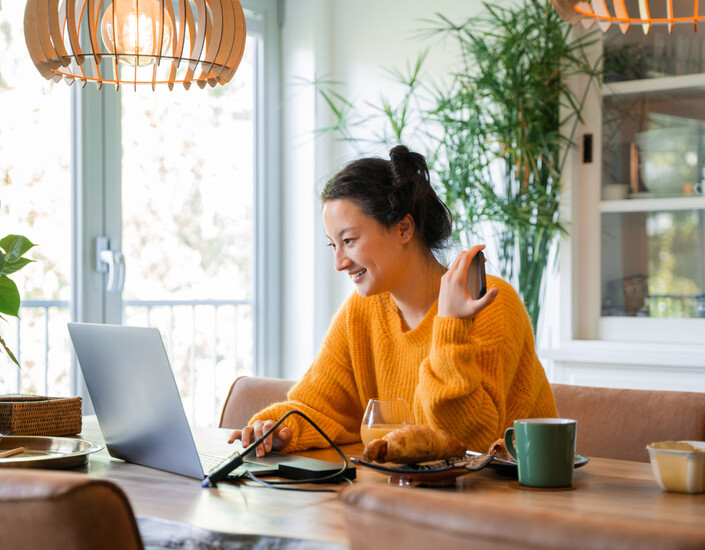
x=411, y=329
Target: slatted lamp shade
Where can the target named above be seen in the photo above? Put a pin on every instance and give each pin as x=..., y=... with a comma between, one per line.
x=644, y=12
x=136, y=41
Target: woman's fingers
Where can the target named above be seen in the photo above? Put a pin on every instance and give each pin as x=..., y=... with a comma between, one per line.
x=462, y=260
x=487, y=299
x=275, y=441
x=283, y=435
x=247, y=435
x=454, y=299
x=260, y=428
x=475, y=249
x=237, y=434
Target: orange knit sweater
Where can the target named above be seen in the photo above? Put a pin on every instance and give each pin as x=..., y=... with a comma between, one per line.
x=469, y=378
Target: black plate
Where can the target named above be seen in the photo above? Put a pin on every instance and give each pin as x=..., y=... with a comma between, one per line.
x=509, y=469
x=442, y=473
x=470, y=463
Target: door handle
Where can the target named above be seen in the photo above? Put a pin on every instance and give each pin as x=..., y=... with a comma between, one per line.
x=111, y=262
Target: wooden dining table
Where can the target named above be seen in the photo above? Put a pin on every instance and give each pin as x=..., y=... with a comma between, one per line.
x=175, y=508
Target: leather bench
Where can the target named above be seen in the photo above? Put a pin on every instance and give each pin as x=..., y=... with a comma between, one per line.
x=612, y=423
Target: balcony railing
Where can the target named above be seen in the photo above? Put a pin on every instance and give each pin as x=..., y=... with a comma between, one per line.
x=209, y=344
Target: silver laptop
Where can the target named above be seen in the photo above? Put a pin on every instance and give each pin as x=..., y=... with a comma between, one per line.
x=137, y=402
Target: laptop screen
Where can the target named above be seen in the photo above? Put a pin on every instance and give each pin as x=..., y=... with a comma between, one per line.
x=135, y=396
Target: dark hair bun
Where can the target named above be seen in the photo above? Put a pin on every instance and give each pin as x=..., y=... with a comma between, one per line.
x=389, y=190
x=407, y=165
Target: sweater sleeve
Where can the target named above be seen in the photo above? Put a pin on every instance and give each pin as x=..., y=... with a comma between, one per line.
x=327, y=394
x=480, y=375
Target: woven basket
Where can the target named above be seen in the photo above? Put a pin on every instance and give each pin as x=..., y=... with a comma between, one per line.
x=38, y=415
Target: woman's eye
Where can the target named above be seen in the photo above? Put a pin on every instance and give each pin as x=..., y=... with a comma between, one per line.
x=347, y=241
x=331, y=245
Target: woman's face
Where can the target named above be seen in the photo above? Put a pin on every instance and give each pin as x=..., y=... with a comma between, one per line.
x=371, y=254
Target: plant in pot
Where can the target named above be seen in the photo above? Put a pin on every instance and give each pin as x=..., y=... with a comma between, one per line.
x=498, y=136
x=12, y=259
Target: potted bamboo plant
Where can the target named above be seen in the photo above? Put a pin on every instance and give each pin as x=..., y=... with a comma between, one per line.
x=498, y=136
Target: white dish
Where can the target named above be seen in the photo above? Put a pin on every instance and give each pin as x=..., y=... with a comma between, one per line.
x=679, y=471
x=46, y=452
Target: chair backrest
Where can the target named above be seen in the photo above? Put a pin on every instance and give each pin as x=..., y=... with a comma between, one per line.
x=249, y=395
x=67, y=511
x=619, y=423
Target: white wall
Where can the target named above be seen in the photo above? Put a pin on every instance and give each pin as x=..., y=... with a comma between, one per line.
x=352, y=42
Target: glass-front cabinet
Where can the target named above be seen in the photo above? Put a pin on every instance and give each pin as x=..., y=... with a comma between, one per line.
x=652, y=164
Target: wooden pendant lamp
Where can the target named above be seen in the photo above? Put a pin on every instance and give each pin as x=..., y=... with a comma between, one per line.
x=646, y=13
x=136, y=41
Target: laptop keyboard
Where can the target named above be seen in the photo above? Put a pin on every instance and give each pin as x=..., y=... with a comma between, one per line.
x=209, y=462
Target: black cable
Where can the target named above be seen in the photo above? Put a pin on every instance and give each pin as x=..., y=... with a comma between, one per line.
x=221, y=472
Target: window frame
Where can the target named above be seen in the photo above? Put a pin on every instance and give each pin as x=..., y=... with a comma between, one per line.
x=96, y=177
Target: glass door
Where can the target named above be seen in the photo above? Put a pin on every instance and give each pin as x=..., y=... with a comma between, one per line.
x=188, y=229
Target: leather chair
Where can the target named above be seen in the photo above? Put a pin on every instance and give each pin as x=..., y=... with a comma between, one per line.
x=619, y=423
x=612, y=423
x=63, y=510
x=249, y=395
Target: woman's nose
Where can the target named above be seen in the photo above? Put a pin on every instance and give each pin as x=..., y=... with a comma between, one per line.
x=341, y=261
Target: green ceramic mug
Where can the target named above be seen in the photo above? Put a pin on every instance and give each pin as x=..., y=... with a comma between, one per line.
x=544, y=450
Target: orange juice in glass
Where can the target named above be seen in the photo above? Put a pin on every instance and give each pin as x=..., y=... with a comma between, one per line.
x=382, y=417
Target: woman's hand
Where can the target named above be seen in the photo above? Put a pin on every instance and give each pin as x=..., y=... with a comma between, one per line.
x=275, y=442
x=454, y=298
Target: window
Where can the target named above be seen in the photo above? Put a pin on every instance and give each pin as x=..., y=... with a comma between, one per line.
x=176, y=180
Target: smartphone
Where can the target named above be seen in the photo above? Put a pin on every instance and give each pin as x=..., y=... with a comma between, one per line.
x=477, y=281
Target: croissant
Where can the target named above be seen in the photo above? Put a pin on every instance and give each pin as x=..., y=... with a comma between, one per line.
x=412, y=444
x=500, y=451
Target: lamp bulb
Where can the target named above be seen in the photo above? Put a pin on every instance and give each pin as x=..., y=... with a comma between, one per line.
x=131, y=27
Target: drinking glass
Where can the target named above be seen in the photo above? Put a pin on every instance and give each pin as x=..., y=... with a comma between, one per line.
x=382, y=417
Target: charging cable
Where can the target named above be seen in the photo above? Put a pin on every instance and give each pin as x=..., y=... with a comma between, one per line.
x=220, y=472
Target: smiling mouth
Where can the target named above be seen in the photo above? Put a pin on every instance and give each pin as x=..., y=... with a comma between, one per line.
x=357, y=275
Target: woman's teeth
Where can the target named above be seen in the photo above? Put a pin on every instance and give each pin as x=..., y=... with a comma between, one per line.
x=357, y=275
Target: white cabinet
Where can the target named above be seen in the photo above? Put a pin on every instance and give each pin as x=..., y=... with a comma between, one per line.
x=652, y=174
x=633, y=266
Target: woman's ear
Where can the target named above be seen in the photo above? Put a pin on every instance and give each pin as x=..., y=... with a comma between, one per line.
x=406, y=228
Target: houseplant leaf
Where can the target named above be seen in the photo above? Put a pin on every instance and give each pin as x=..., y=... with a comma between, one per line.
x=9, y=297
x=6, y=268
x=15, y=246
x=9, y=353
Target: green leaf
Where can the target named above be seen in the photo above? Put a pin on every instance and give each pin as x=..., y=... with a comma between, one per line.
x=15, y=246
x=12, y=267
x=9, y=353
x=9, y=297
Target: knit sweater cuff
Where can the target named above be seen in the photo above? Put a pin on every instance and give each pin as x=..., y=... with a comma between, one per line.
x=449, y=330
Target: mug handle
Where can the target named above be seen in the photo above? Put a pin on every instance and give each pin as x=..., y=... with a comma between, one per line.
x=509, y=443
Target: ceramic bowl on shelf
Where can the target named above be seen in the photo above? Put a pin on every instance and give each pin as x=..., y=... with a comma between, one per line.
x=615, y=191
x=668, y=159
